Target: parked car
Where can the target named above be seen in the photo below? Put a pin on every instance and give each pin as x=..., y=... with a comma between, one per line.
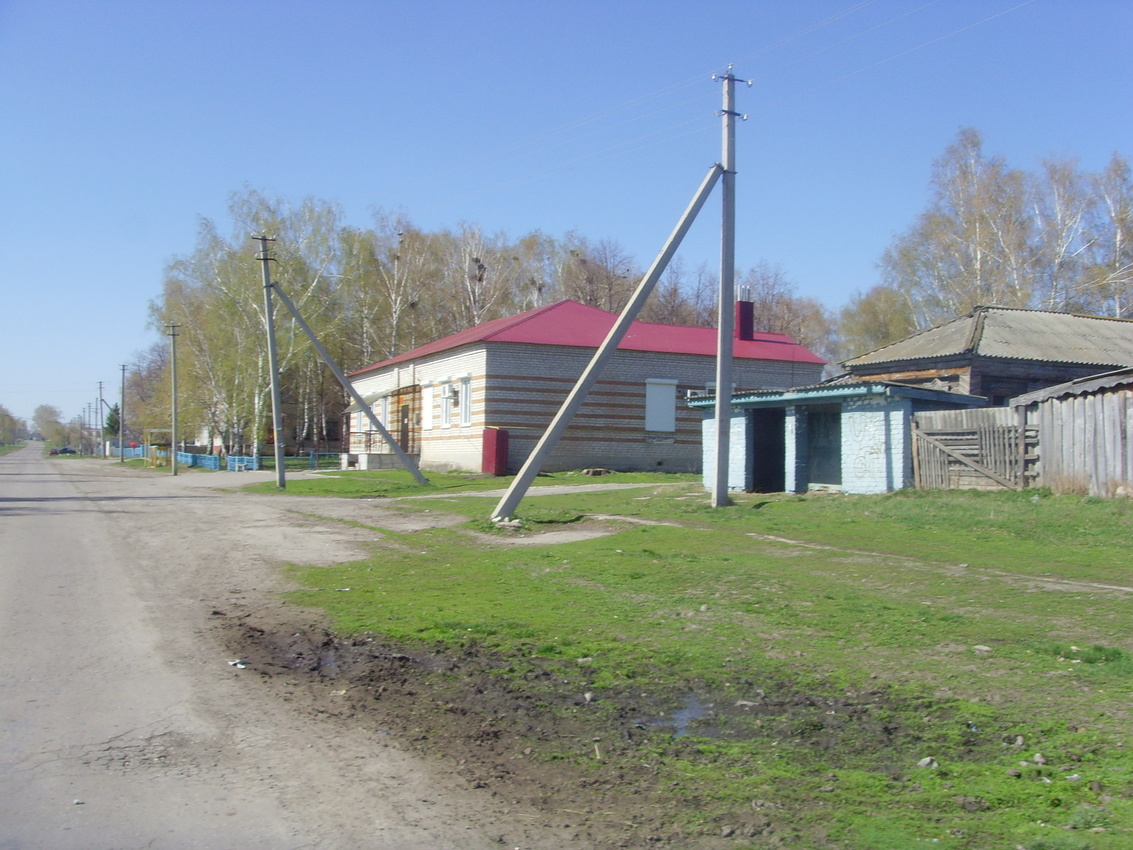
x=53, y=452
x=67, y=450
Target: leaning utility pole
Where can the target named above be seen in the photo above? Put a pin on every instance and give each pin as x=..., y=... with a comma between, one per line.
x=401, y=454
x=273, y=365
x=727, y=299
x=173, y=412
x=606, y=350
x=590, y=375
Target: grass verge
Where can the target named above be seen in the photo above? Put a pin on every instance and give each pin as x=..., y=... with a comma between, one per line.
x=879, y=672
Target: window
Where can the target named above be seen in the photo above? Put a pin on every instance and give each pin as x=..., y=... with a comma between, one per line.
x=448, y=399
x=660, y=405
x=427, y=407
x=465, y=401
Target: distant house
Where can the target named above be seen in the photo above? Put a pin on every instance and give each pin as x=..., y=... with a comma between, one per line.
x=999, y=353
x=854, y=434
x=480, y=399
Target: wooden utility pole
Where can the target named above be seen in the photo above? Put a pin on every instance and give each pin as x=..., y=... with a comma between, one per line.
x=273, y=365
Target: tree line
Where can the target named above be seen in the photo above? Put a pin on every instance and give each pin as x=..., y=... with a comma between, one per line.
x=370, y=293
x=1056, y=238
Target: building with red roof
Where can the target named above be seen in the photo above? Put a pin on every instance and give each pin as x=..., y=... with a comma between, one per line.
x=480, y=399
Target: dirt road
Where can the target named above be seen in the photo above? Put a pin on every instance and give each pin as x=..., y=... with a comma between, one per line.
x=123, y=723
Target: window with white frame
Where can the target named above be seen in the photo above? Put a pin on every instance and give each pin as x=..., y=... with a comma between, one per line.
x=448, y=402
x=465, y=401
x=427, y=407
x=661, y=405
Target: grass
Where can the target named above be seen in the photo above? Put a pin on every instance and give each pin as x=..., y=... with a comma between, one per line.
x=841, y=641
x=385, y=483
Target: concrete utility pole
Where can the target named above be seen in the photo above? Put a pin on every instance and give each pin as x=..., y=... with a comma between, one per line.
x=727, y=299
x=593, y=371
x=173, y=371
x=405, y=459
x=122, y=419
x=273, y=365
x=101, y=421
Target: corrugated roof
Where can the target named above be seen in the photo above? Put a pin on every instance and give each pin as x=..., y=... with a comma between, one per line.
x=1017, y=335
x=1080, y=386
x=573, y=324
x=841, y=386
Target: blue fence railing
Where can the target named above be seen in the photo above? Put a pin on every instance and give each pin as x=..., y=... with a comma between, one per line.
x=243, y=463
x=202, y=461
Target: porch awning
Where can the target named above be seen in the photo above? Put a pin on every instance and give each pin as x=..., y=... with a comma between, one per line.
x=369, y=399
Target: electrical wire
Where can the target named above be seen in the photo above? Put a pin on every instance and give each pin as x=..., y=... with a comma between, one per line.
x=666, y=134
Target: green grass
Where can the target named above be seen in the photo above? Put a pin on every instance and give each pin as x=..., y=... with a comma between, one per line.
x=893, y=628
x=381, y=483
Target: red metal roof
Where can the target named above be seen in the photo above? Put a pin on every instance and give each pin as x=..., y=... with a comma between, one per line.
x=574, y=324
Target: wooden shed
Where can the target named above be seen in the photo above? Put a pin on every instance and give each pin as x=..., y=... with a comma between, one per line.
x=1085, y=434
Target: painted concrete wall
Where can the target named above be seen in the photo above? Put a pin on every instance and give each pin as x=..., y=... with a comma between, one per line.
x=876, y=454
x=796, y=449
x=739, y=451
x=875, y=446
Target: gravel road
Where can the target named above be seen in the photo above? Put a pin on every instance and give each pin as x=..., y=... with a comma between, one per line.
x=122, y=723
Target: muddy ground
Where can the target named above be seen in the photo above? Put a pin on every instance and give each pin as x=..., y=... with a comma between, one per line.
x=466, y=715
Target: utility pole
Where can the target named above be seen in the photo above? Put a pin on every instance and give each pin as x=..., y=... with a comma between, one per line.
x=273, y=365
x=606, y=350
x=727, y=299
x=122, y=419
x=101, y=421
x=173, y=370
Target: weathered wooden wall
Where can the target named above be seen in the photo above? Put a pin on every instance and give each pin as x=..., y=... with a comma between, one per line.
x=1087, y=442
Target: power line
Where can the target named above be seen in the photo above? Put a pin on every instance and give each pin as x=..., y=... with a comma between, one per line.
x=899, y=55
x=666, y=134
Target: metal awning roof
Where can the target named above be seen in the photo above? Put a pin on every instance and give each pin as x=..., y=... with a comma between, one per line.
x=838, y=389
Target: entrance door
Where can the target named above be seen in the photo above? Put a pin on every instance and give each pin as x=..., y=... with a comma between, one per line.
x=824, y=444
x=768, y=450
x=403, y=427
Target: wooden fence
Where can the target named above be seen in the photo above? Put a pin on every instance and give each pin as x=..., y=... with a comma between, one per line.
x=1087, y=441
x=985, y=448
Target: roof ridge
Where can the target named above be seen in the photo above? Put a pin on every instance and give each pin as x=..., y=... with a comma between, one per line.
x=904, y=338
x=509, y=322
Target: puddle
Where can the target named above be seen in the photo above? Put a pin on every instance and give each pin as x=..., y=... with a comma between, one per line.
x=692, y=711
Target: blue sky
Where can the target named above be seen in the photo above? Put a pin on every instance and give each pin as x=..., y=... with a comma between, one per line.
x=123, y=123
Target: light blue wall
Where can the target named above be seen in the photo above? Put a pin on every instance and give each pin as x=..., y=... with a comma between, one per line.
x=876, y=457
x=739, y=451
x=876, y=454
x=796, y=459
